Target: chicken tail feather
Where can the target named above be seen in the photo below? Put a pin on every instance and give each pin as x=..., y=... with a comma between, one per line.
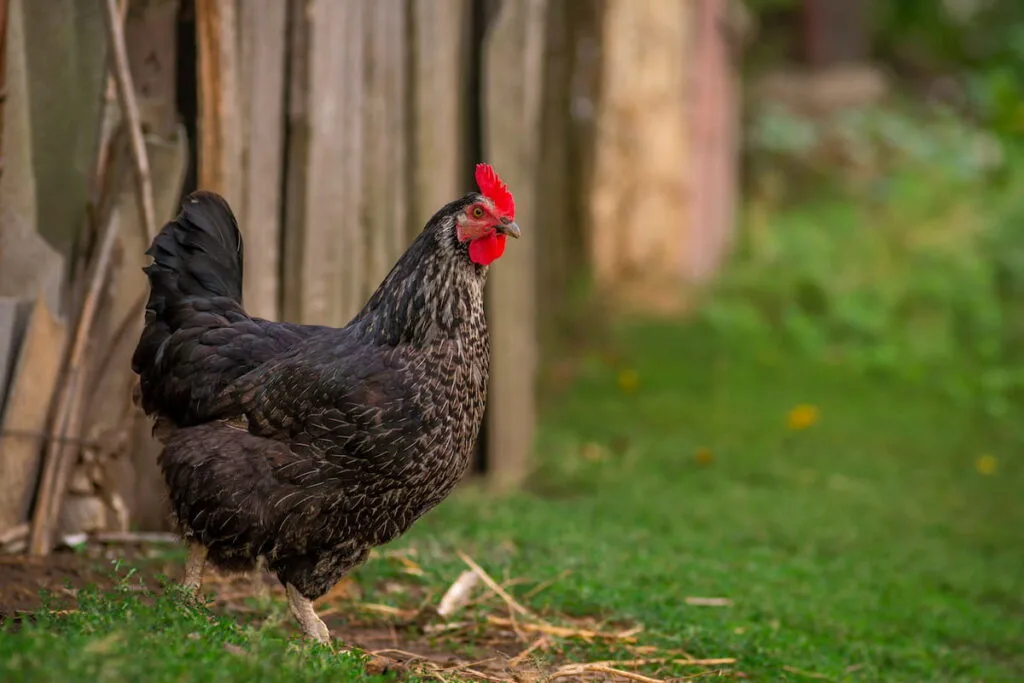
x=198, y=254
x=195, y=282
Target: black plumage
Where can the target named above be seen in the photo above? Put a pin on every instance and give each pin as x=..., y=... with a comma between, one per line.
x=308, y=445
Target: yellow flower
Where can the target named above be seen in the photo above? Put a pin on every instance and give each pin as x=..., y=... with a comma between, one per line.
x=593, y=451
x=802, y=417
x=986, y=464
x=628, y=381
x=704, y=456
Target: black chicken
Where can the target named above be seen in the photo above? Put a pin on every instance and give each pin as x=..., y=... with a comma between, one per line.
x=306, y=445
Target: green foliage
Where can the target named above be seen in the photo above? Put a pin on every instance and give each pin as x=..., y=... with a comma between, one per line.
x=909, y=263
x=979, y=43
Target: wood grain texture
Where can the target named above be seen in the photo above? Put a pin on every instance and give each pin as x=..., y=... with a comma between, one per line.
x=12, y=328
x=27, y=411
x=513, y=85
x=220, y=131
x=330, y=257
x=639, y=195
x=440, y=53
x=262, y=34
x=386, y=128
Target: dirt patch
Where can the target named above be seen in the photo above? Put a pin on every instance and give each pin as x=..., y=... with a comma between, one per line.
x=23, y=579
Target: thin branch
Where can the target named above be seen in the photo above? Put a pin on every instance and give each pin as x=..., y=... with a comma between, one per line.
x=129, y=537
x=54, y=470
x=130, y=111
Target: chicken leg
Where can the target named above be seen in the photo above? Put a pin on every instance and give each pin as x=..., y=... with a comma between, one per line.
x=302, y=610
x=194, y=569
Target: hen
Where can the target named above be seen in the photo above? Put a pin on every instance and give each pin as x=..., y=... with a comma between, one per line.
x=306, y=446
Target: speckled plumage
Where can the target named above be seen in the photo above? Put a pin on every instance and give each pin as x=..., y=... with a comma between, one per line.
x=309, y=445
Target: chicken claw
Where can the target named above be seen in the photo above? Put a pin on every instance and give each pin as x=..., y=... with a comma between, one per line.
x=302, y=610
x=194, y=569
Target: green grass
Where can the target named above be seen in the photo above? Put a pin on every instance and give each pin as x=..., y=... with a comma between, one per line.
x=130, y=635
x=865, y=548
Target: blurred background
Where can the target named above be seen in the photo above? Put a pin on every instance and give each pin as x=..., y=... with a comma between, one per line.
x=745, y=223
x=762, y=338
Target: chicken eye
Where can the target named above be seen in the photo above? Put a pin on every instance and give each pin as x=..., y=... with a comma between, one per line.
x=478, y=212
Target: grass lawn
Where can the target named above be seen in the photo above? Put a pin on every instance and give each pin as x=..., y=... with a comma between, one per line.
x=869, y=546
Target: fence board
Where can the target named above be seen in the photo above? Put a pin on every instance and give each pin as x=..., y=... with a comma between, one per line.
x=220, y=132
x=296, y=161
x=262, y=32
x=27, y=262
x=331, y=259
x=514, y=75
x=387, y=189
x=639, y=209
x=440, y=58
x=28, y=407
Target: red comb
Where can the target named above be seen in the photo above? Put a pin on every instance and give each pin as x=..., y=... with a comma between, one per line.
x=491, y=187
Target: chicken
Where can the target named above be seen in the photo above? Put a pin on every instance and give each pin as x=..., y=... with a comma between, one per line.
x=301, y=446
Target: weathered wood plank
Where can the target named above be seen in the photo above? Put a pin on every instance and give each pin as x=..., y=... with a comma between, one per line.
x=65, y=53
x=332, y=256
x=13, y=314
x=513, y=80
x=440, y=70
x=3, y=53
x=715, y=131
x=639, y=209
x=387, y=171
x=352, y=73
x=262, y=35
x=556, y=213
x=151, y=41
x=220, y=131
x=28, y=263
x=297, y=140
x=28, y=408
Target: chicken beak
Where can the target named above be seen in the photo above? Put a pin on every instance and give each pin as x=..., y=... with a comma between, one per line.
x=510, y=229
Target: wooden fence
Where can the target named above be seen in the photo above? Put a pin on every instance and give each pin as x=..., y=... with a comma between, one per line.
x=335, y=128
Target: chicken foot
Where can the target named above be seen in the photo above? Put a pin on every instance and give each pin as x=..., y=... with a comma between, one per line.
x=302, y=610
x=194, y=569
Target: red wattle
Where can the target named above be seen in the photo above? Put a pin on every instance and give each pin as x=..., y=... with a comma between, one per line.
x=485, y=250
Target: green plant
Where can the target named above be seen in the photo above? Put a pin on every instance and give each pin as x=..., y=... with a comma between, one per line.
x=907, y=259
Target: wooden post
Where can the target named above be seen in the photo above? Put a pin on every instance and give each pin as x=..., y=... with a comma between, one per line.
x=386, y=125
x=28, y=264
x=439, y=107
x=296, y=161
x=27, y=413
x=64, y=47
x=557, y=217
x=513, y=84
x=639, y=204
x=326, y=266
x=262, y=33
x=220, y=131
x=715, y=143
